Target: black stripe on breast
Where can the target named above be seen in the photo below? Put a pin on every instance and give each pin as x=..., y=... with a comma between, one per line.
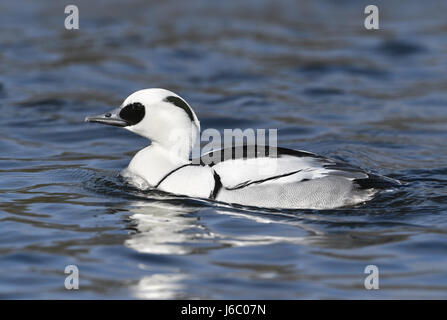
x=169, y=173
x=217, y=186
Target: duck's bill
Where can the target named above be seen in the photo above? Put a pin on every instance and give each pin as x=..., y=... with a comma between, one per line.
x=109, y=118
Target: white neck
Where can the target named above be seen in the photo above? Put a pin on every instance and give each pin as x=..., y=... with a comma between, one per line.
x=154, y=162
x=179, y=147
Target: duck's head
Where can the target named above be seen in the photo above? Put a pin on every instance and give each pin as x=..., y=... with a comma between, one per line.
x=159, y=115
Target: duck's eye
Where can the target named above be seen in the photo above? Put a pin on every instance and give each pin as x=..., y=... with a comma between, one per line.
x=133, y=113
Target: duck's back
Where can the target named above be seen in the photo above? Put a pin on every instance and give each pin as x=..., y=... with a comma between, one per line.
x=285, y=178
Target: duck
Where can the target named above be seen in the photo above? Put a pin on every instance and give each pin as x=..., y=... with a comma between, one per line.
x=252, y=175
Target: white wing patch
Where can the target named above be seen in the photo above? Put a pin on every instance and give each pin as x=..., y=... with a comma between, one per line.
x=235, y=173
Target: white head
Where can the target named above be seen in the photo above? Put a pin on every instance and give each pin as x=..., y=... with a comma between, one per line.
x=159, y=115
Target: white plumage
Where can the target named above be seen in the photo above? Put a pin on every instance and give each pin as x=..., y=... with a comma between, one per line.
x=277, y=178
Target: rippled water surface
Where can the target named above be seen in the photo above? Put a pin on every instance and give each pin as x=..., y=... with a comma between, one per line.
x=376, y=99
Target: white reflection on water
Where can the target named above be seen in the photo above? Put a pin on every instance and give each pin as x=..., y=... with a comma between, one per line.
x=165, y=228
x=160, y=286
x=162, y=228
x=168, y=229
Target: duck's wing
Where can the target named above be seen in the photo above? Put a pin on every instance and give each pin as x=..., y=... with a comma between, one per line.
x=242, y=166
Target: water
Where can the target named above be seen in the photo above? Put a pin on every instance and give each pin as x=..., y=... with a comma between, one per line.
x=376, y=99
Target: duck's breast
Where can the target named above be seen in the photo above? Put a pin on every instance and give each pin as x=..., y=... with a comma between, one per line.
x=190, y=180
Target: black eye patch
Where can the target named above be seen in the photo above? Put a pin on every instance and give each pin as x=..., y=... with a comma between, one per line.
x=133, y=113
x=181, y=104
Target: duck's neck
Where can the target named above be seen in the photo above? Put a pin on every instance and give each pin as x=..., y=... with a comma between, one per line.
x=155, y=161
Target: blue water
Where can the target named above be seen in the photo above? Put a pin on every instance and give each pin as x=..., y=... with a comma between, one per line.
x=377, y=99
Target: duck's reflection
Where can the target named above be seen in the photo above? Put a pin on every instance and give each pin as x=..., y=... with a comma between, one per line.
x=163, y=228
x=175, y=229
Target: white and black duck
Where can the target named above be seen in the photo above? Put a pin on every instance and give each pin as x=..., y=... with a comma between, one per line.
x=245, y=175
